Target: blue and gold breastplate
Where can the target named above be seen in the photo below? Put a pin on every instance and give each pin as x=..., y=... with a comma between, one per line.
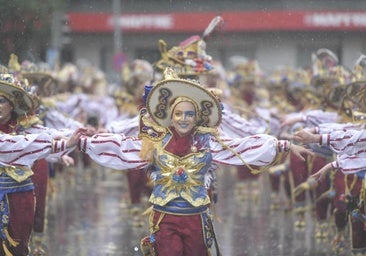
x=180, y=177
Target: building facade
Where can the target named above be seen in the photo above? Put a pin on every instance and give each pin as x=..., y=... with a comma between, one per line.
x=276, y=33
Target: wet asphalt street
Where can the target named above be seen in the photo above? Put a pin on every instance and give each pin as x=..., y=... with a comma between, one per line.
x=89, y=215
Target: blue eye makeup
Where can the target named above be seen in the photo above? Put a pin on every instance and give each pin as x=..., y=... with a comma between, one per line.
x=189, y=113
x=3, y=101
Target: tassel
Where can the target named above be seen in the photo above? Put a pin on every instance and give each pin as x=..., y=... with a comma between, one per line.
x=147, y=211
x=11, y=240
x=6, y=250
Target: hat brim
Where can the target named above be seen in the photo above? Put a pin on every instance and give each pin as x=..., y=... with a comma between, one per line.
x=21, y=100
x=357, y=92
x=46, y=82
x=160, y=96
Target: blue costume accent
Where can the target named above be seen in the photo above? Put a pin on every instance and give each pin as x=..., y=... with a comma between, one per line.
x=7, y=186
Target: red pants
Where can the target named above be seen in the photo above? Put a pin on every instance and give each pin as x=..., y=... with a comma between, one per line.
x=40, y=180
x=21, y=216
x=180, y=235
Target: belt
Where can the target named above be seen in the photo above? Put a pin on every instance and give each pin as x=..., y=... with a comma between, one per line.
x=181, y=207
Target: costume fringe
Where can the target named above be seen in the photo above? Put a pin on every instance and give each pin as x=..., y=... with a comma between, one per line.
x=147, y=149
x=155, y=228
x=11, y=240
x=6, y=250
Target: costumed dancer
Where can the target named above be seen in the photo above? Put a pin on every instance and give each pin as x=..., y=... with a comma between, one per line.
x=19, y=155
x=190, y=60
x=178, y=137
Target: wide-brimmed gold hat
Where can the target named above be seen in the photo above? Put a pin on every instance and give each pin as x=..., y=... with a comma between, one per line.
x=39, y=76
x=12, y=89
x=45, y=83
x=166, y=91
x=356, y=89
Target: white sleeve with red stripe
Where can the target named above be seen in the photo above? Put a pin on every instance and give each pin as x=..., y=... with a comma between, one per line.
x=350, y=142
x=25, y=149
x=115, y=151
x=55, y=156
x=350, y=163
x=258, y=150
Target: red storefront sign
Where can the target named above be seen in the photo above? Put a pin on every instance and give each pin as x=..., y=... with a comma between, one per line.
x=234, y=21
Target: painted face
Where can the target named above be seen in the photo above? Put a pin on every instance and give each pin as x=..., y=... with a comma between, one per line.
x=184, y=117
x=5, y=110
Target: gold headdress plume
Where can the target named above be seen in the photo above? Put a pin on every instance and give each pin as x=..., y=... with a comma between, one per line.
x=14, y=63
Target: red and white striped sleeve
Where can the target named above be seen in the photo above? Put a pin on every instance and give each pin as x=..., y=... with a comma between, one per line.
x=350, y=142
x=23, y=150
x=258, y=150
x=115, y=151
x=349, y=164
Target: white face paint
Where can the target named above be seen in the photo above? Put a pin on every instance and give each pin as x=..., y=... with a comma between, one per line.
x=5, y=110
x=184, y=117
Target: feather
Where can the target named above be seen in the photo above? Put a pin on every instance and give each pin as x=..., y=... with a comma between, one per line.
x=215, y=23
x=361, y=61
